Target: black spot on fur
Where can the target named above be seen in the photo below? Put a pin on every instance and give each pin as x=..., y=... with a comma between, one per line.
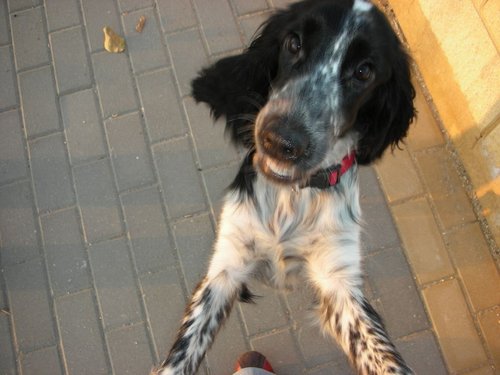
x=243, y=182
x=246, y=296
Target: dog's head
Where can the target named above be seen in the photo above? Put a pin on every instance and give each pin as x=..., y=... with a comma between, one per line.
x=320, y=74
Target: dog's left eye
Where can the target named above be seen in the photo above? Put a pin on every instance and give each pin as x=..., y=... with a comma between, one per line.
x=363, y=72
x=292, y=44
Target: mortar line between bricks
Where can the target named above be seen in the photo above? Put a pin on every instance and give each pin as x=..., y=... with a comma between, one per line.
x=15, y=107
x=180, y=31
x=23, y=10
x=146, y=72
x=139, y=188
x=48, y=212
x=232, y=6
x=33, y=68
x=63, y=29
x=16, y=181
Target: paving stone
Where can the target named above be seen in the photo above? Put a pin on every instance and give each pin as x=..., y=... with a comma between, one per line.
x=475, y=266
x=7, y=358
x=162, y=109
x=444, y=184
x=130, y=350
x=97, y=15
x=15, y=5
x=51, y=173
x=218, y=25
x=65, y=253
x=115, y=284
x=300, y=304
x=489, y=322
x=70, y=60
x=128, y=5
x=422, y=241
x=229, y=344
x=212, y=146
x=4, y=23
x=194, y=238
x=62, y=14
x=98, y=201
x=13, y=162
x=81, y=337
x=42, y=362
x=165, y=303
x=39, y=101
x=146, y=49
x=129, y=151
x=176, y=15
x=421, y=352
x=281, y=351
x=393, y=284
x=250, y=25
x=266, y=313
x=245, y=6
x=179, y=177
x=27, y=286
x=341, y=367
x=29, y=38
x=114, y=83
x=217, y=182
x=425, y=132
x=398, y=175
x=188, y=56
x=17, y=223
x=487, y=370
x=454, y=327
x=82, y=126
x=281, y=3
x=149, y=234
x=8, y=97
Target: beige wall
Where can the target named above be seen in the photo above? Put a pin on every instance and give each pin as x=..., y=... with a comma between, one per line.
x=455, y=44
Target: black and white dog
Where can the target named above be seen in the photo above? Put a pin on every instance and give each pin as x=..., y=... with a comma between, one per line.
x=323, y=88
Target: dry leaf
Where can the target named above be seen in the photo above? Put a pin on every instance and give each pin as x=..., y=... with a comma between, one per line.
x=112, y=41
x=140, y=24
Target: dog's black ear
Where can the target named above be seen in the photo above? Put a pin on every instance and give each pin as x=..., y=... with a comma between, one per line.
x=238, y=86
x=385, y=119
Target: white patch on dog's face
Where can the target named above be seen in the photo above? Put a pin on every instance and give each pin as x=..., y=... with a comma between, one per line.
x=362, y=5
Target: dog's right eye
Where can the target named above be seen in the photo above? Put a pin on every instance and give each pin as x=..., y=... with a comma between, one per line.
x=292, y=44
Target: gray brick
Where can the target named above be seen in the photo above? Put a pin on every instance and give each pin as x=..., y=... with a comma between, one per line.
x=7, y=358
x=128, y=5
x=422, y=353
x=17, y=223
x=98, y=14
x=281, y=351
x=81, y=335
x=179, y=178
x=217, y=181
x=15, y=5
x=129, y=152
x=188, y=57
x=98, y=200
x=379, y=231
x=245, y=6
x=13, y=163
x=83, y=127
x=212, y=147
x=115, y=284
x=175, y=15
x=341, y=367
x=164, y=314
x=218, y=25
x=65, y=253
x=394, y=286
x=229, y=344
x=29, y=38
x=160, y=101
x=62, y=14
x=39, y=101
x=42, y=362
x=70, y=59
x=130, y=350
x=151, y=242
x=194, y=238
x=8, y=88
x=51, y=173
x=281, y=3
x=146, y=48
x=315, y=347
x=27, y=286
x=4, y=23
x=114, y=83
x=266, y=314
x=300, y=304
x=250, y=25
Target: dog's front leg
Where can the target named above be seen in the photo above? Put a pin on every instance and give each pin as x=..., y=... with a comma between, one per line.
x=346, y=315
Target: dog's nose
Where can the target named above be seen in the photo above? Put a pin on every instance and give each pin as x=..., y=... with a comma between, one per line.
x=283, y=142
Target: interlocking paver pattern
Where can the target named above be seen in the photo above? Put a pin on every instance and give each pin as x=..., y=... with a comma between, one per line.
x=110, y=185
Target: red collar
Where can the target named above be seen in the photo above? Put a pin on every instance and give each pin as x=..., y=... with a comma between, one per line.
x=330, y=176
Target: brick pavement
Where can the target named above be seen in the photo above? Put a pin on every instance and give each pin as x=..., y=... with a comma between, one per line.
x=110, y=180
